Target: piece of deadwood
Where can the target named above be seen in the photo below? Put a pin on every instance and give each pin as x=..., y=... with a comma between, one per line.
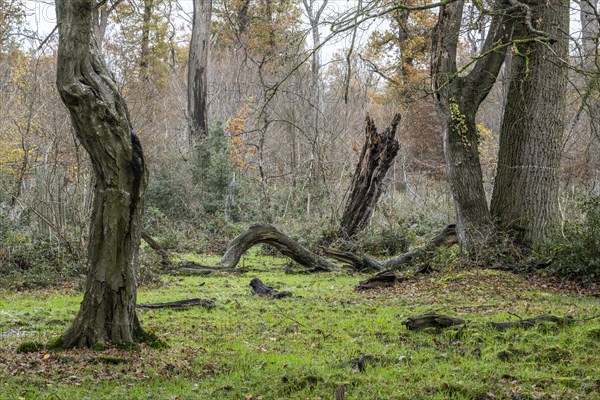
x=443, y=321
x=340, y=392
x=260, y=288
x=179, y=305
x=431, y=321
x=382, y=279
x=530, y=322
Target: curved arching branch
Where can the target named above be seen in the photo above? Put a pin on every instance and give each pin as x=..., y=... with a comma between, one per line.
x=267, y=234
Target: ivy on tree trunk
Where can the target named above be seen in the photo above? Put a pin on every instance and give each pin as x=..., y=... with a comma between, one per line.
x=458, y=97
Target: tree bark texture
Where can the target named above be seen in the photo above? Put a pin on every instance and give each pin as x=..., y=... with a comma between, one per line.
x=376, y=157
x=102, y=125
x=457, y=100
x=197, y=70
x=267, y=234
x=525, y=198
x=145, y=42
x=590, y=37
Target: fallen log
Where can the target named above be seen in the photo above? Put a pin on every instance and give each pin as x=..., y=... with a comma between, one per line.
x=445, y=238
x=179, y=305
x=258, y=287
x=362, y=261
x=383, y=279
x=270, y=235
x=530, y=322
x=440, y=321
x=192, y=268
x=431, y=321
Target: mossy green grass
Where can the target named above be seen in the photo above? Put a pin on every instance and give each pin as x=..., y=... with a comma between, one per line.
x=306, y=346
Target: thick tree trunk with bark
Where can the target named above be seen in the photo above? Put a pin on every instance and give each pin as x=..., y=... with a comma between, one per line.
x=197, y=70
x=457, y=99
x=590, y=37
x=376, y=157
x=526, y=187
x=145, y=42
x=102, y=125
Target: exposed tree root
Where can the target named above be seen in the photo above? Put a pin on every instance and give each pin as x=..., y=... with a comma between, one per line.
x=443, y=321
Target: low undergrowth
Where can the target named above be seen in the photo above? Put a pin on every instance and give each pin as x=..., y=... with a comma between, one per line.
x=307, y=346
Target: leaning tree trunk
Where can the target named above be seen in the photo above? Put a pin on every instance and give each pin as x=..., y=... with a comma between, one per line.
x=197, y=70
x=102, y=125
x=376, y=158
x=458, y=98
x=525, y=196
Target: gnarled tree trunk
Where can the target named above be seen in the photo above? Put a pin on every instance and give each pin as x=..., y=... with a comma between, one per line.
x=376, y=158
x=102, y=125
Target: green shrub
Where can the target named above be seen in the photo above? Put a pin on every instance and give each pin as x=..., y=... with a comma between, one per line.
x=576, y=253
x=30, y=261
x=29, y=347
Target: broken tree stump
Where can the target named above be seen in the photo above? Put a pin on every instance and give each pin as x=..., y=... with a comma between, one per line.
x=179, y=305
x=270, y=235
x=382, y=279
x=258, y=287
x=376, y=157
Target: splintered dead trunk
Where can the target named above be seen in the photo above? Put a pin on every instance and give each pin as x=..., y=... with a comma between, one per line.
x=525, y=196
x=102, y=125
x=376, y=157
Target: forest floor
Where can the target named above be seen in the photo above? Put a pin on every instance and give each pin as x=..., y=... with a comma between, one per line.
x=326, y=335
